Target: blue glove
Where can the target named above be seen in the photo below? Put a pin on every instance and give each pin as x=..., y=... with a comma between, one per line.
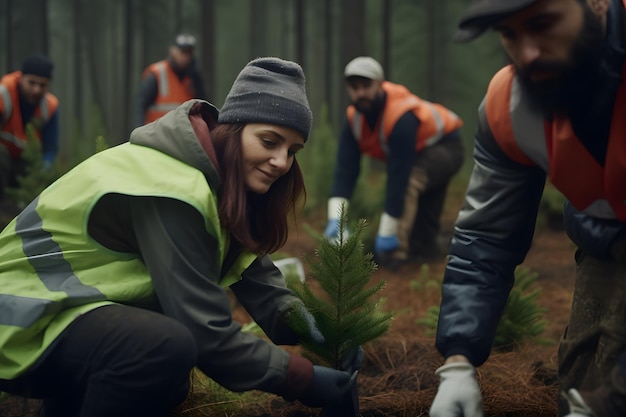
x=352, y=360
x=386, y=244
x=328, y=386
x=332, y=229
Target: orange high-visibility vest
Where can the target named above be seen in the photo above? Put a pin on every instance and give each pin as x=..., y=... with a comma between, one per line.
x=436, y=121
x=172, y=91
x=526, y=137
x=13, y=133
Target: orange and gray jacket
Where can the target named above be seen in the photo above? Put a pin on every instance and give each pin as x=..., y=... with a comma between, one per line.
x=12, y=131
x=403, y=125
x=172, y=90
x=435, y=120
x=143, y=230
x=516, y=148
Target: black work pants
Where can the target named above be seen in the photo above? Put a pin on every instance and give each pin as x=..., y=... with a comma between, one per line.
x=592, y=352
x=113, y=361
x=426, y=192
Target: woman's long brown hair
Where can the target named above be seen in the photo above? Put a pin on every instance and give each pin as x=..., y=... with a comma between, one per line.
x=259, y=222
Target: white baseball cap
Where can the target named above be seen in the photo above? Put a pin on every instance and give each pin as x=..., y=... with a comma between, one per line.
x=364, y=66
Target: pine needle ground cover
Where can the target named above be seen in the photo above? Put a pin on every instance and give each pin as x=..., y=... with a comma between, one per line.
x=397, y=375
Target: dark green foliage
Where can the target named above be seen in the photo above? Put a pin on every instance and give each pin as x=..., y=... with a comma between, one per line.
x=522, y=317
x=318, y=161
x=36, y=178
x=521, y=320
x=348, y=314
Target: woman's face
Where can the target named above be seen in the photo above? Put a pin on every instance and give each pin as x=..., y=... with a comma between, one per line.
x=268, y=152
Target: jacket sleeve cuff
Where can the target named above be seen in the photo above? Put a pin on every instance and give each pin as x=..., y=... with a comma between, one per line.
x=299, y=378
x=461, y=350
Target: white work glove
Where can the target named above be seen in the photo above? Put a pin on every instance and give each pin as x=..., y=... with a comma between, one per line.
x=387, y=236
x=334, y=210
x=577, y=406
x=458, y=394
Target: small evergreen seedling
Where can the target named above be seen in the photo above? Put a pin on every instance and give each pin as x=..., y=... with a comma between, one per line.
x=347, y=313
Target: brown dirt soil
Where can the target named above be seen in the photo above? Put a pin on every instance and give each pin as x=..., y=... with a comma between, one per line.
x=397, y=376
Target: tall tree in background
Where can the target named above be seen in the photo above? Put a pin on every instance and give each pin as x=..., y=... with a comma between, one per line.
x=386, y=18
x=92, y=32
x=77, y=62
x=8, y=35
x=178, y=16
x=258, y=27
x=329, y=75
x=437, y=38
x=207, y=42
x=352, y=37
x=300, y=31
x=42, y=5
x=129, y=52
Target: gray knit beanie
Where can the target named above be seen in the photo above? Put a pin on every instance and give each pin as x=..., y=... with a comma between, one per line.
x=269, y=90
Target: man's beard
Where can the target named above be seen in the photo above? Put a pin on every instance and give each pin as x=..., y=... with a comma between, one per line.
x=569, y=91
x=368, y=107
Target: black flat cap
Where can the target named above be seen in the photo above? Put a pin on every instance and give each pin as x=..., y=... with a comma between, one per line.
x=481, y=14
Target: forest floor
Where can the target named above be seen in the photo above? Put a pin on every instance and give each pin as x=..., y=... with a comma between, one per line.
x=397, y=376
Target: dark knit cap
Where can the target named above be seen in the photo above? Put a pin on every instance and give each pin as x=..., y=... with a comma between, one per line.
x=37, y=64
x=269, y=90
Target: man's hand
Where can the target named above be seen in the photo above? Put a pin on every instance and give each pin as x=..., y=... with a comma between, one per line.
x=328, y=386
x=458, y=394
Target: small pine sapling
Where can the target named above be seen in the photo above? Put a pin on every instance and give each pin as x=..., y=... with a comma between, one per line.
x=347, y=313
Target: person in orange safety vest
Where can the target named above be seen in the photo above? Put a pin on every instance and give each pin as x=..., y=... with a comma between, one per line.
x=555, y=113
x=168, y=83
x=420, y=143
x=24, y=100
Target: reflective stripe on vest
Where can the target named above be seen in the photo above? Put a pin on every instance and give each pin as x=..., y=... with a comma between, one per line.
x=6, y=100
x=163, y=84
x=436, y=121
x=38, y=246
x=522, y=133
x=356, y=126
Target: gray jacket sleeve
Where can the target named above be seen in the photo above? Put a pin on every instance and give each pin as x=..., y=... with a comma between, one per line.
x=492, y=235
x=264, y=294
x=182, y=260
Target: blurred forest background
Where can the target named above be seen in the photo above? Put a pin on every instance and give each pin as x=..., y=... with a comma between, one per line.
x=100, y=48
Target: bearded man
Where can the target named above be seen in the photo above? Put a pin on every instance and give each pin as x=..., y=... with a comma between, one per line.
x=556, y=111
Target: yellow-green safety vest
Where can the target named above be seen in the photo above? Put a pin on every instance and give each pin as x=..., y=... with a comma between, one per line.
x=52, y=271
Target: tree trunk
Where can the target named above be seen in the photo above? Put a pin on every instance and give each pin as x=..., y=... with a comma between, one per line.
x=300, y=30
x=43, y=6
x=77, y=64
x=129, y=52
x=258, y=27
x=8, y=35
x=386, y=17
x=437, y=47
x=207, y=41
x=352, y=38
x=329, y=76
